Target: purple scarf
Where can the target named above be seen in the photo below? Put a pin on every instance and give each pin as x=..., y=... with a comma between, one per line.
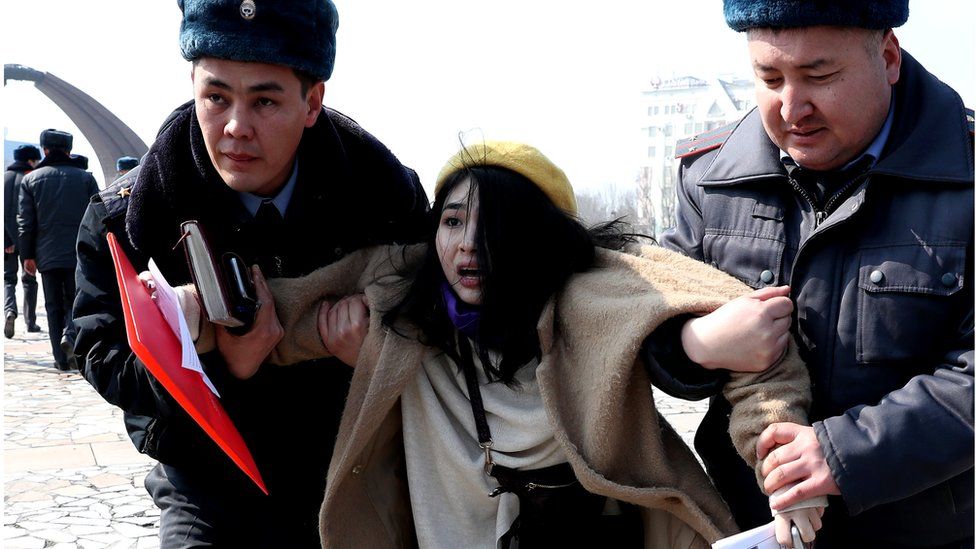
x=466, y=318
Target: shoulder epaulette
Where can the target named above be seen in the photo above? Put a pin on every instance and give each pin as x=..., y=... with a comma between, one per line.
x=115, y=197
x=703, y=142
x=970, y=121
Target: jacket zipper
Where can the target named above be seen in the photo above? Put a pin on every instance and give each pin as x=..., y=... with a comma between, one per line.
x=806, y=196
x=534, y=485
x=842, y=194
x=822, y=215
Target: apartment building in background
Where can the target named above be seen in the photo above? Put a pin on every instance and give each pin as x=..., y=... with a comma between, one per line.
x=675, y=109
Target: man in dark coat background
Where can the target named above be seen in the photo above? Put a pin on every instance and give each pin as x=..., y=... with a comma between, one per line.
x=26, y=158
x=851, y=182
x=288, y=185
x=52, y=202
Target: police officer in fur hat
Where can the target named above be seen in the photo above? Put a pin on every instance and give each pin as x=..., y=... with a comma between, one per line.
x=288, y=185
x=125, y=164
x=50, y=206
x=26, y=157
x=852, y=183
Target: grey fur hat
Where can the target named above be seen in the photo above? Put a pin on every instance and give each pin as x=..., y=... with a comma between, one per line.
x=743, y=15
x=300, y=34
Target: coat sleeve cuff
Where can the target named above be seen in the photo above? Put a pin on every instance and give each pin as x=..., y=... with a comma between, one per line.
x=837, y=468
x=672, y=371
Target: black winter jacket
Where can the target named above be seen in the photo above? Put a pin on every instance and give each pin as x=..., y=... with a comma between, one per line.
x=883, y=289
x=52, y=202
x=351, y=192
x=11, y=192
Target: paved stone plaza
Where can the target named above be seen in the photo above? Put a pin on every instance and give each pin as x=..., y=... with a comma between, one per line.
x=71, y=476
x=72, y=479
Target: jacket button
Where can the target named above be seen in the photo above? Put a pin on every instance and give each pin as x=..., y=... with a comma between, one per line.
x=877, y=277
x=766, y=276
x=949, y=280
x=357, y=469
x=337, y=252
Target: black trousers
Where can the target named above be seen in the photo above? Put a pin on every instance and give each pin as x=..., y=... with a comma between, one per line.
x=196, y=511
x=59, y=296
x=11, y=263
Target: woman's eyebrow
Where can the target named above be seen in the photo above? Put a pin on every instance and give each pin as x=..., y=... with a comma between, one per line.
x=456, y=206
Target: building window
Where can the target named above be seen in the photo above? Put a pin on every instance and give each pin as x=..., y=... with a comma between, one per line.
x=688, y=127
x=698, y=127
x=668, y=130
x=657, y=110
x=651, y=152
x=652, y=131
x=668, y=151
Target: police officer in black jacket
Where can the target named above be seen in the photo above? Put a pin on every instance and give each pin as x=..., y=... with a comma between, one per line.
x=53, y=199
x=290, y=186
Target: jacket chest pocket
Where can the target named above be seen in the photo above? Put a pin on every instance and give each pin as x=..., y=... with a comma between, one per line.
x=743, y=236
x=904, y=301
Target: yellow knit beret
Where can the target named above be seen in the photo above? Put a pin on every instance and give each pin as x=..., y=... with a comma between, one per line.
x=518, y=157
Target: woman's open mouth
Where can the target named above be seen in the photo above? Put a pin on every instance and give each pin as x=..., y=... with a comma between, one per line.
x=469, y=277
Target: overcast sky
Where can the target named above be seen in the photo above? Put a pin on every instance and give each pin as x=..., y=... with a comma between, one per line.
x=563, y=75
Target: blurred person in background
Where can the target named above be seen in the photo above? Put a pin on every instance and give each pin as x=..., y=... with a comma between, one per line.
x=26, y=158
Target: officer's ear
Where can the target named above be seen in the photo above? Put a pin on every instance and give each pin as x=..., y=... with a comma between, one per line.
x=314, y=103
x=891, y=53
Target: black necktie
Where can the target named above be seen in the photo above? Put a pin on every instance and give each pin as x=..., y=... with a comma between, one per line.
x=268, y=216
x=269, y=232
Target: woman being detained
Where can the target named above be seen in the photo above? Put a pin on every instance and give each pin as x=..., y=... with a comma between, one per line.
x=501, y=398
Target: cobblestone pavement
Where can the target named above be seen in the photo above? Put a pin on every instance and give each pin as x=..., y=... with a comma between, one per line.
x=71, y=477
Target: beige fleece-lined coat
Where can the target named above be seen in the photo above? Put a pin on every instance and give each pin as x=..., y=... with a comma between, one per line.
x=597, y=394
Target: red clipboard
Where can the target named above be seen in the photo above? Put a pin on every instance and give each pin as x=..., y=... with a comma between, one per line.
x=152, y=340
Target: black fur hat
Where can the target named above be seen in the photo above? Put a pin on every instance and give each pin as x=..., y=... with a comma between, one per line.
x=56, y=139
x=23, y=153
x=300, y=34
x=868, y=14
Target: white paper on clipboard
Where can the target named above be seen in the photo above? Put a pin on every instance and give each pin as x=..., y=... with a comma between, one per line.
x=169, y=305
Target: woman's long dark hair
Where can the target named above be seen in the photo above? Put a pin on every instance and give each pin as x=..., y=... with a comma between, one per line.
x=526, y=248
